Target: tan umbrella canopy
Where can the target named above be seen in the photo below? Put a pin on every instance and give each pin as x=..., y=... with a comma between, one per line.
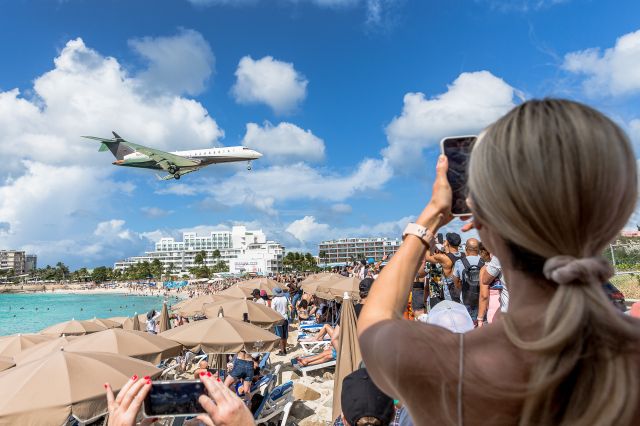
x=119, y=320
x=6, y=363
x=43, y=349
x=48, y=391
x=130, y=323
x=311, y=283
x=237, y=292
x=260, y=315
x=223, y=335
x=193, y=307
x=136, y=323
x=16, y=343
x=137, y=344
x=266, y=284
x=349, y=356
x=165, y=323
x=73, y=328
x=334, y=290
x=107, y=323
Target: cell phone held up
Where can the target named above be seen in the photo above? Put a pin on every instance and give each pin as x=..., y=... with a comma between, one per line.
x=458, y=150
x=175, y=398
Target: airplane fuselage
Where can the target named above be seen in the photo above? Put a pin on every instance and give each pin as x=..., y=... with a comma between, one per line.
x=204, y=157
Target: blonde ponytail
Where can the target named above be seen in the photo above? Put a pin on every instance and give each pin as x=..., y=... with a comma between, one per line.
x=558, y=180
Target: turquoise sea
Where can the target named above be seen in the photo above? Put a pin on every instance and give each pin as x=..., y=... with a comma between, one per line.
x=30, y=313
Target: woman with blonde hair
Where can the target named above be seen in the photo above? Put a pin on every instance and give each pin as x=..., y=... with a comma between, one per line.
x=550, y=185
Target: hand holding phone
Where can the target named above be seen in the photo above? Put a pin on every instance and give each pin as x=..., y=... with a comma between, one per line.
x=175, y=398
x=457, y=149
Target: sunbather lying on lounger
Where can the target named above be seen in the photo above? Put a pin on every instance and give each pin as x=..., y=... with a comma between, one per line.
x=329, y=354
x=326, y=330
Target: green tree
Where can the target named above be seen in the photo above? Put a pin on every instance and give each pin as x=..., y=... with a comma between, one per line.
x=156, y=268
x=100, y=274
x=62, y=271
x=216, y=254
x=200, y=258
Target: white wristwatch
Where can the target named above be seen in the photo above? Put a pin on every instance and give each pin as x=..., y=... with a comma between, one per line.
x=419, y=231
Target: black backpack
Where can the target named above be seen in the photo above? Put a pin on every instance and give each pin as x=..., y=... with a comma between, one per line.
x=471, y=282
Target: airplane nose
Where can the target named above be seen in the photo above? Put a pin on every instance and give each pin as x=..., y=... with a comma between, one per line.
x=257, y=154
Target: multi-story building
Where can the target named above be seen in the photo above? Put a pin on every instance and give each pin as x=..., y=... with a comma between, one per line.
x=12, y=260
x=242, y=250
x=345, y=250
x=30, y=263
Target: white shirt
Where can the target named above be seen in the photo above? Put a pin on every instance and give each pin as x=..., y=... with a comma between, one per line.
x=280, y=305
x=260, y=300
x=495, y=270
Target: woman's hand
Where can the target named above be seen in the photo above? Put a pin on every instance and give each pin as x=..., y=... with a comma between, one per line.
x=223, y=407
x=438, y=210
x=123, y=410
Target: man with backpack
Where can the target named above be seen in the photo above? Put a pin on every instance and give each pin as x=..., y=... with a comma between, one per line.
x=447, y=258
x=466, y=276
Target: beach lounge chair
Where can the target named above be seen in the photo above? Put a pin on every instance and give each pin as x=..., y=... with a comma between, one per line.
x=310, y=347
x=276, y=402
x=306, y=369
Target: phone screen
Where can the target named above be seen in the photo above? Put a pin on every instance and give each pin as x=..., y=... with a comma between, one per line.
x=174, y=398
x=457, y=150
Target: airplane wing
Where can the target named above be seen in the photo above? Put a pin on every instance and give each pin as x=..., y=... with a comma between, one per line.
x=164, y=159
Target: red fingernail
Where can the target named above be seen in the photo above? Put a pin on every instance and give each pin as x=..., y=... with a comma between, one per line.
x=148, y=382
x=105, y=385
x=219, y=380
x=134, y=377
x=208, y=373
x=202, y=373
x=147, y=377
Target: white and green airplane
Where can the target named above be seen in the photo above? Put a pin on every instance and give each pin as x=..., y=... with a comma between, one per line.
x=176, y=163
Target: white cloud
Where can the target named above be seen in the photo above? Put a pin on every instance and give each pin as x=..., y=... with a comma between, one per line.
x=178, y=64
x=53, y=184
x=308, y=231
x=521, y=5
x=341, y=208
x=473, y=101
x=612, y=72
x=262, y=188
x=269, y=81
x=284, y=142
x=155, y=212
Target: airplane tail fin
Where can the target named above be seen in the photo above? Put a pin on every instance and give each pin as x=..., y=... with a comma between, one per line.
x=115, y=145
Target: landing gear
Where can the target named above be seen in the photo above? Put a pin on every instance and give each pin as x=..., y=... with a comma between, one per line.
x=172, y=169
x=248, y=165
x=176, y=176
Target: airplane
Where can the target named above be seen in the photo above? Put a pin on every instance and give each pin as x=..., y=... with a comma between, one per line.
x=178, y=163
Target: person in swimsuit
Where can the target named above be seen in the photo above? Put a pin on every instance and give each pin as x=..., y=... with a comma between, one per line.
x=242, y=370
x=550, y=185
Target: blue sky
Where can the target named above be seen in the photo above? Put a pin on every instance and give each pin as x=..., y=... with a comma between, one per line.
x=346, y=98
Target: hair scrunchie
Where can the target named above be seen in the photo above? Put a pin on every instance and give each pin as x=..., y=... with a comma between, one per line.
x=568, y=269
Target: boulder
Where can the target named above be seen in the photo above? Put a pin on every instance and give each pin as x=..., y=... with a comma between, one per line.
x=304, y=393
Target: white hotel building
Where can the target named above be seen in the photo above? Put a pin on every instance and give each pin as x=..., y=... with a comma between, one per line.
x=344, y=250
x=242, y=250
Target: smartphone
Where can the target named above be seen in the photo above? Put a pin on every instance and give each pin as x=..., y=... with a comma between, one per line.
x=458, y=149
x=440, y=238
x=174, y=398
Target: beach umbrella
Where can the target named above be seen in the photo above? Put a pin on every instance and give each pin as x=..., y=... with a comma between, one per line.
x=49, y=390
x=165, y=323
x=73, y=328
x=137, y=344
x=349, y=356
x=6, y=363
x=42, y=349
x=335, y=289
x=107, y=323
x=136, y=323
x=309, y=284
x=258, y=314
x=223, y=335
x=237, y=292
x=265, y=284
x=119, y=320
x=193, y=307
x=16, y=343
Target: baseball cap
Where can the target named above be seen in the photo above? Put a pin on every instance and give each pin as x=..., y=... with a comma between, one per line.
x=453, y=239
x=263, y=293
x=361, y=398
x=452, y=316
x=255, y=292
x=365, y=285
